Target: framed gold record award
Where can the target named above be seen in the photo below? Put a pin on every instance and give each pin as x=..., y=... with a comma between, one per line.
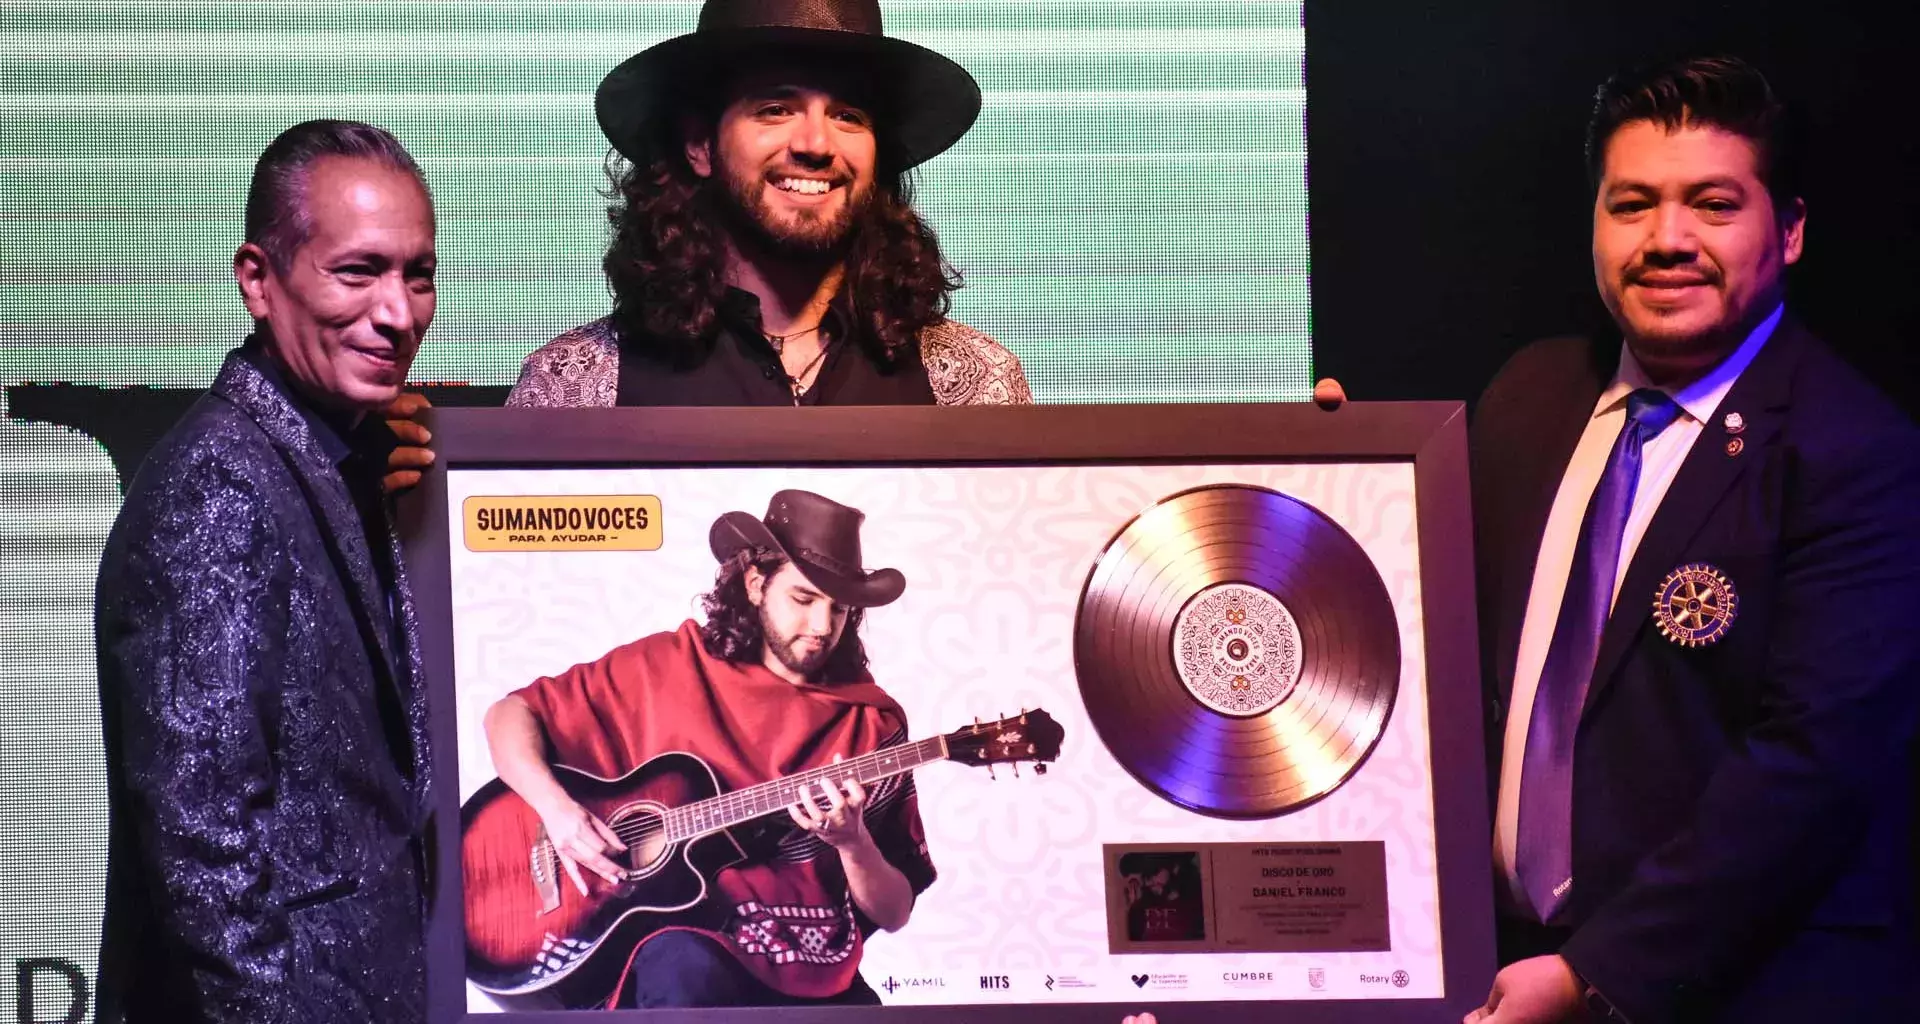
x=1043, y=713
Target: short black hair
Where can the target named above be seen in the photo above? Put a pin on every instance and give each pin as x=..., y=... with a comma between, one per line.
x=1721, y=92
x=277, y=217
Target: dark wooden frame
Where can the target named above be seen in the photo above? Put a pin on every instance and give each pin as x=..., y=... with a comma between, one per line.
x=1432, y=435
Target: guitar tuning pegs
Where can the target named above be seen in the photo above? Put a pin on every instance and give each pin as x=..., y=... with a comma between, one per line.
x=1039, y=768
x=1023, y=714
x=990, y=775
x=1016, y=769
x=976, y=723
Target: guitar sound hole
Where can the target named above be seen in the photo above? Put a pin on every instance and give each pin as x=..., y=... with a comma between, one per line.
x=645, y=834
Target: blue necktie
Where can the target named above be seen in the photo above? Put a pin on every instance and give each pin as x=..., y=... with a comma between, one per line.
x=1543, y=855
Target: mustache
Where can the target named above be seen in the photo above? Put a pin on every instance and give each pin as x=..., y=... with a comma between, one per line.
x=1644, y=274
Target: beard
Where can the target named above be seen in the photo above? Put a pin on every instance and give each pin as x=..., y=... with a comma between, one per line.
x=805, y=234
x=786, y=648
x=1673, y=339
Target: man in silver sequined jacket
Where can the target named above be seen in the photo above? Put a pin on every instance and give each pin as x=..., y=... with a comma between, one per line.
x=262, y=699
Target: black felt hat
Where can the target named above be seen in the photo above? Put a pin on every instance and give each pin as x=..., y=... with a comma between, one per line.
x=930, y=101
x=820, y=536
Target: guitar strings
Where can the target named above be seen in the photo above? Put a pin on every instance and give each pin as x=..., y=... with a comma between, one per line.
x=633, y=832
x=747, y=799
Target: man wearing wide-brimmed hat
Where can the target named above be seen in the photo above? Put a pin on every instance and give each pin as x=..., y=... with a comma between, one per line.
x=765, y=249
x=774, y=682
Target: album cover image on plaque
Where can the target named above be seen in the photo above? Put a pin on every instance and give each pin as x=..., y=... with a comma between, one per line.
x=1169, y=722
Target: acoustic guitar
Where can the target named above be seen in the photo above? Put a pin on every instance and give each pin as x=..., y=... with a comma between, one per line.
x=529, y=931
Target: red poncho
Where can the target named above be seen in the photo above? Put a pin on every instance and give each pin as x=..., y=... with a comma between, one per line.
x=790, y=920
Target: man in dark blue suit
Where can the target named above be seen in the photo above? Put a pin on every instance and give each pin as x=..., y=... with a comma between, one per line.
x=1700, y=576
x=264, y=711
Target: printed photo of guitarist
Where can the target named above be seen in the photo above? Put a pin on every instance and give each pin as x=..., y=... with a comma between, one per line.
x=774, y=682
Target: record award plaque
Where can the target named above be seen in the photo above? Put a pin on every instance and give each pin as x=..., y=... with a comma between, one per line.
x=1169, y=707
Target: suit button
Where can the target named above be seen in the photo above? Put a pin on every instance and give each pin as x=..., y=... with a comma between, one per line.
x=767, y=372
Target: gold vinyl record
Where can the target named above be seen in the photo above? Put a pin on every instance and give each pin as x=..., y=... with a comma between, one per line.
x=1237, y=651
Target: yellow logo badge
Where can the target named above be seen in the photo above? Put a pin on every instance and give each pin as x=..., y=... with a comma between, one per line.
x=585, y=522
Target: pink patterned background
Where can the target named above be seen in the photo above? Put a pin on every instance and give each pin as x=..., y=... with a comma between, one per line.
x=994, y=559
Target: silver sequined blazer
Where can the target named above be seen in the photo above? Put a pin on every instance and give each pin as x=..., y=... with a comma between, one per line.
x=266, y=836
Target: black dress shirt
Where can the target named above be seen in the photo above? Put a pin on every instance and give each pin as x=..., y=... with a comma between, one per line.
x=741, y=367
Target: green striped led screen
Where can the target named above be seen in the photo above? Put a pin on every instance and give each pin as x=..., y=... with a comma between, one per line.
x=1129, y=215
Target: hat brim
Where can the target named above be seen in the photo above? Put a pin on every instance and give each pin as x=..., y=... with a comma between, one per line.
x=931, y=100
x=736, y=530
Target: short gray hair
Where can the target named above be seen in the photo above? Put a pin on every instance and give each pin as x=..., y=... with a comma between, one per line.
x=278, y=220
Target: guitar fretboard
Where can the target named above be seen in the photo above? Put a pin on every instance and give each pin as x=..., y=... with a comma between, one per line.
x=743, y=805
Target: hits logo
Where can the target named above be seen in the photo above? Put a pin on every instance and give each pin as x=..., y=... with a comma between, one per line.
x=998, y=981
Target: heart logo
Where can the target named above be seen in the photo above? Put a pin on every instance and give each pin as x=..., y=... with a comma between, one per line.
x=1139, y=981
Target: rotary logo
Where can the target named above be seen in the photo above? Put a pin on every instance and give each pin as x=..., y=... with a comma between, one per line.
x=1695, y=605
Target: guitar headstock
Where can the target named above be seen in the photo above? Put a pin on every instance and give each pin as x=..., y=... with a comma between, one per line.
x=1027, y=736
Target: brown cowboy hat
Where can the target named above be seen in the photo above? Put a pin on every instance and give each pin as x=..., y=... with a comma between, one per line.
x=931, y=100
x=820, y=536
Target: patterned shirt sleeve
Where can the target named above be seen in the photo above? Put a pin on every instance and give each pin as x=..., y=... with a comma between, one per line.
x=577, y=370
x=966, y=367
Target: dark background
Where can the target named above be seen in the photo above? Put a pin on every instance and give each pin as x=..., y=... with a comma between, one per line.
x=1451, y=213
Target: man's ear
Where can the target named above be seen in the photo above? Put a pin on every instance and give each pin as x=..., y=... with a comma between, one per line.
x=698, y=143
x=756, y=582
x=251, y=269
x=1793, y=231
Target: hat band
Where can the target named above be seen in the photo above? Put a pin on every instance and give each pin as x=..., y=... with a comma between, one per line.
x=830, y=563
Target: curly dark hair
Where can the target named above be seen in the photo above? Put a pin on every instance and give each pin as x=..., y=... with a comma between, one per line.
x=666, y=260
x=732, y=630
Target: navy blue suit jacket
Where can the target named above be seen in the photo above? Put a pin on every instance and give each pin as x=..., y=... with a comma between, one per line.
x=263, y=716
x=1740, y=810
